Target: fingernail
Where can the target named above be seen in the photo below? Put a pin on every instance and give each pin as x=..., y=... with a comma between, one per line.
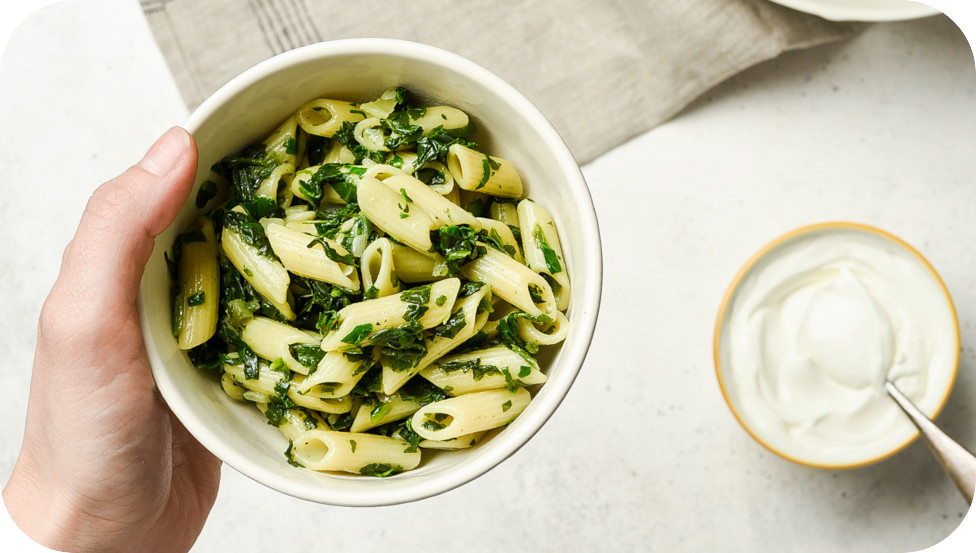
x=163, y=156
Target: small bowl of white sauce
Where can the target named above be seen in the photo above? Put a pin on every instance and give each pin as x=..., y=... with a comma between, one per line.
x=812, y=327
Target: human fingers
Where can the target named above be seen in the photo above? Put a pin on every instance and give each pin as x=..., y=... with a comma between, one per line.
x=105, y=260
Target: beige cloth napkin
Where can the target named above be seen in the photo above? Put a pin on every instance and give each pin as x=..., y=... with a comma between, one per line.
x=602, y=71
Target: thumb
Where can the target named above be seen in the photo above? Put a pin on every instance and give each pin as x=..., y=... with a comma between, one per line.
x=105, y=260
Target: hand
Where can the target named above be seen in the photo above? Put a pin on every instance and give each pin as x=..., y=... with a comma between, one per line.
x=105, y=466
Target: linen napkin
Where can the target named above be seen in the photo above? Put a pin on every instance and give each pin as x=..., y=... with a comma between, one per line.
x=602, y=71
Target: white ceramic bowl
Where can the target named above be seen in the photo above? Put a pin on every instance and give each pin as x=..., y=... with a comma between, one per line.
x=246, y=110
x=809, y=251
x=862, y=10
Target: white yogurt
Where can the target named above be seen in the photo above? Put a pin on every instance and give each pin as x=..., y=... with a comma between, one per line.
x=813, y=330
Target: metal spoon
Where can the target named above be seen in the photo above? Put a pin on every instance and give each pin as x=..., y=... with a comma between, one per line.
x=957, y=461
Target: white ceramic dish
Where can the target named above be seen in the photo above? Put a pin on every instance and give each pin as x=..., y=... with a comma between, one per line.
x=816, y=251
x=253, y=104
x=862, y=10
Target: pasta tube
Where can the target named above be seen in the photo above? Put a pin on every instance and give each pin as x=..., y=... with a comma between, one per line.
x=361, y=323
x=474, y=412
x=441, y=210
x=484, y=369
x=324, y=117
x=478, y=172
x=335, y=375
x=258, y=265
x=199, y=280
x=513, y=282
x=273, y=340
x=464, y=322
x=389, y=408
x=378, y=270
x=391, y=212
x=313, y=257
x=543, y=251
x=354, y=452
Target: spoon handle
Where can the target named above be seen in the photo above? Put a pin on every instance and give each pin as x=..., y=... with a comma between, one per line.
x=958, y=462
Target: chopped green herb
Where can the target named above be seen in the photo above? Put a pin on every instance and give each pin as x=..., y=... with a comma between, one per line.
x=414, y=311
x=291, y=146
x=488, y=168
x=275, y=413
x=436, y=421
x=477, y=207
x=250, y=232
x=206, y=192
x=418, y=295
x=469, y=288
x=380, y=470
x=291, y=457
x=458, y=244
x=196, y=299
x=474, y=366
x=434, y=145
x=358, y=334
x=380, y=411
x=451, y=327
x=281, y=388
x=339, y=176
x=552, y=260
x=331, y=253
x=308, y=355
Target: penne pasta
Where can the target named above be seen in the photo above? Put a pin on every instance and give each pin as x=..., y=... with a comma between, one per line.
x=454, y=444
x=391, y=212
x=412, y=266
x=388, y=408
x=446, y=117
x=465, y=320
x=291, y=422
x=313, y=257
x=378, y=270
x=354, y=452
x=336, y=374
x=361, y=323
x=474, y=412
x=503, y=237
x=416, y=194
x=478, y=172
x=543, y=251
x=324, y=117
x=273, y=340
x=544, y=335
x=199, y=281
x=263, y=271
x=513, y=282
x=483, y=369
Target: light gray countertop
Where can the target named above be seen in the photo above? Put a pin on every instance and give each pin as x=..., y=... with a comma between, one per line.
x=643, y=455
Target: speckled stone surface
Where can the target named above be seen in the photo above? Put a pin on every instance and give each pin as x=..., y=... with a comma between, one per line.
x=643, y=454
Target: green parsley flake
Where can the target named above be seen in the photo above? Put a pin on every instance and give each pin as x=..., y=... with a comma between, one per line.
x=552, y=260
x=196, y=299
x=358, y=334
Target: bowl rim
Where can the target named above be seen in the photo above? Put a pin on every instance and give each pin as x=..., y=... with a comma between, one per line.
x=834, y=11
x=544, y=403
x=773, y=246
